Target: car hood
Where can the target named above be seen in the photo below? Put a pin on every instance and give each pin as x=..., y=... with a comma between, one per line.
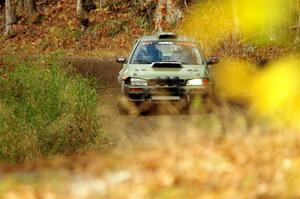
x=146, y=71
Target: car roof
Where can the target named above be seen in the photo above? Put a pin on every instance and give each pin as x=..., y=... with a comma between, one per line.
x=167, y=36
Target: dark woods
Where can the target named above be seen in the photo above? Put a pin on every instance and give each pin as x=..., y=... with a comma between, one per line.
x=2, y=2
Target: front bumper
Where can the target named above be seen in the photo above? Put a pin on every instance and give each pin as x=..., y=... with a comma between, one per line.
x=165, y=93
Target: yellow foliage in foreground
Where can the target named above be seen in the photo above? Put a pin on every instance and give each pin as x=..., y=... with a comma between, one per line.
x=271, y=92
x=214, y=21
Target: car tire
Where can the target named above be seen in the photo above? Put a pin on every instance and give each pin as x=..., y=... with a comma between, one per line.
x=144, y=108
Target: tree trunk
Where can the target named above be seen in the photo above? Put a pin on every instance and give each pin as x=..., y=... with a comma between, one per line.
x=79, y=7
x=167, y=14
x=160, y=15
x=100, y=4
x=10, y=17
x=290, y=15
x=297, y=39
x=185, y=4
x=30, y=6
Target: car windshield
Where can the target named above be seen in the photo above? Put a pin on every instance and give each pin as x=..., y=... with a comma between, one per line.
x=164, y=51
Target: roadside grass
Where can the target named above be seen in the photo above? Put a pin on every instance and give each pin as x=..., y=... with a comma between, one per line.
x=45, y=110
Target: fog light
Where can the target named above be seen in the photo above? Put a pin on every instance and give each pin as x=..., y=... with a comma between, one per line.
x=194, y=82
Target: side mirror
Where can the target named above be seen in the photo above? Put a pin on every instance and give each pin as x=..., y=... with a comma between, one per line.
x=212, y=60
x=121, y=60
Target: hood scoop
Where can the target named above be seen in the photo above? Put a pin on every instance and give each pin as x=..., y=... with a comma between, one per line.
x=166, y=65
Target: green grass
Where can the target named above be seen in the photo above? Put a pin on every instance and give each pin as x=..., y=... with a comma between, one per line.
x=44, y=110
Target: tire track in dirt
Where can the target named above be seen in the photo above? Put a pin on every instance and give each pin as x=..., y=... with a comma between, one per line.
x=105, y=69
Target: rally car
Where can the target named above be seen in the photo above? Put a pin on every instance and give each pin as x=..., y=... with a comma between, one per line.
x=165, y=67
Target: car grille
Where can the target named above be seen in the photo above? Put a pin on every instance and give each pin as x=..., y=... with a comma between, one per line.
x=167, y=81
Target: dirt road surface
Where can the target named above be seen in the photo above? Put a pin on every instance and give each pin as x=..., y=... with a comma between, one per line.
x=130, y=130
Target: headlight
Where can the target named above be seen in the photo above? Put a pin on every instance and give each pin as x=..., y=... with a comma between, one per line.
x=194, y=82
x=138, y=82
